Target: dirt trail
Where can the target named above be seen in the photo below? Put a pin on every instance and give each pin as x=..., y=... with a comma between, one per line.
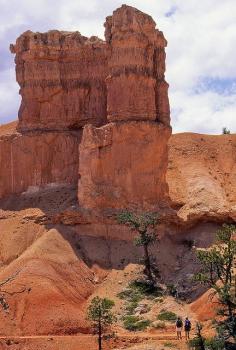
x=81, y=342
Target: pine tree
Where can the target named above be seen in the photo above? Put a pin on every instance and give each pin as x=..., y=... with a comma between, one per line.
x=100, y=314
x=144, y=224
x=218, y=272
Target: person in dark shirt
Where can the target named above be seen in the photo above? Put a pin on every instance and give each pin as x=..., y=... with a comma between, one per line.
x=179, y=328
x=187, y=328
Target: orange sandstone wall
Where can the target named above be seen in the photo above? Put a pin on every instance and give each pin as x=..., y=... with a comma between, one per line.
x=62, y=80
x=136, y=87
x=36, y=159
x=124, y=163
x=202, y=176
x=68, y=80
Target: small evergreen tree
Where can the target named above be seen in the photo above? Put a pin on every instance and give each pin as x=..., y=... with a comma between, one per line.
x=144, y=224
x=218, y=273
x=100, y=314
x=201, y=343
x=225, y=131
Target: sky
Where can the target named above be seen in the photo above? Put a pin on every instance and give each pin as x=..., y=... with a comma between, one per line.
x=201, y=52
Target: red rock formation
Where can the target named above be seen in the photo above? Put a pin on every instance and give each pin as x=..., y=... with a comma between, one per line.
x=36, y=159
x=202, y=176
x=67, y=80
x=136, y=87
x=123, y=165
x=62, y=80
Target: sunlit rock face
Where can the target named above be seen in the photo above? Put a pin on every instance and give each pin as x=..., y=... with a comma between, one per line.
x=136, y=87
x=62, y=80
x=35, y=159
x=123, y=164
x=68, y=80
x=113, y=94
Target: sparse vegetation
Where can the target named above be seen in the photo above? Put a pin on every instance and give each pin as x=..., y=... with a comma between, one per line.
x=130, y=307
x=100, y=314
x=218, y=273
x=169, y=345
x=201, y=343
x=146, y=289
x=138, y=290
x=134, y=323
x=172, y=290
x=225, y=131
x=159, y=325
x=159, y=300
x=198, y=342
x=144, y=224
x=167, y=316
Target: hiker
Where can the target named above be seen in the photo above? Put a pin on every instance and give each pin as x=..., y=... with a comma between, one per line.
x=187, y=327
x=179, y=327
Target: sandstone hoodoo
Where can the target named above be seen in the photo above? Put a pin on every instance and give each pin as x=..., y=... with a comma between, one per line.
x=62, y=80
x=136, y=87
x=116, y=90
x=124, y=163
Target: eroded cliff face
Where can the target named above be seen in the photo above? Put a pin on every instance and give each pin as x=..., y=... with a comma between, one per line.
x=123, y=164
x=31, y=160
x=202, y=176
x=136, y=87
x=67, y=82
x=62, y=80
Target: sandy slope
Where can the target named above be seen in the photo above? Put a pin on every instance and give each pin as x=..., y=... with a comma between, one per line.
x=202, y=176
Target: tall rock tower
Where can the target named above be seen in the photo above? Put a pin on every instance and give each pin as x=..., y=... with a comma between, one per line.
x=123, y=163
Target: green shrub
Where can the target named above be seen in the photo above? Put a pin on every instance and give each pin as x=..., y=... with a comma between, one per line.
x=130, y=295
x=133, y=323
x=215, y=344
x=159, y=300
x=130, y=307
x=209, y=344
x=146, y=289
x=167, y=316
x=160, y=325
x=169, y=345
x=138, y=290
x=225, y=131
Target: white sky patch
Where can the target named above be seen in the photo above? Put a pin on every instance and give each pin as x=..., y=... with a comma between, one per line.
x=201, y=47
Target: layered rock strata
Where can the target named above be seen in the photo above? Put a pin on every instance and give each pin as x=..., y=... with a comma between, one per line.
x=31, y=160
x=62, y=80
x=136, y=87
x=68, y=80
x=123, y=164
